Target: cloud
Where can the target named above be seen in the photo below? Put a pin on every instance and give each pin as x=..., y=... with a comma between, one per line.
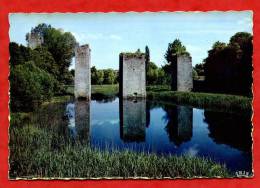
x=85, y=37
x=245, y=22
x=192, y=151
x=115, y=37
x=103, y=122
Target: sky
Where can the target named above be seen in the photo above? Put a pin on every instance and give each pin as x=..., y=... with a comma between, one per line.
x=109, y=34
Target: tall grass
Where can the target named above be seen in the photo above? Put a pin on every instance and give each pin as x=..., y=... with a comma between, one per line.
x=204, y=100
x=41, y=147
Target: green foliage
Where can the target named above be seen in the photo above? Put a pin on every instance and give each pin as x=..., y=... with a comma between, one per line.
x=199, y=68
x=175, y=48
x=109, y=76
x=44, y=60
x=29, y=86
x=194, y=74
x=97, y=76
x=19, y=54
x=232, y=103
x=61, y=45
x=228, y=67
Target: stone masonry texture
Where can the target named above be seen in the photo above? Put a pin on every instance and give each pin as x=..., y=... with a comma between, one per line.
x=132, y=71
x=82, y=72
x=34, y=40
x=182, y=76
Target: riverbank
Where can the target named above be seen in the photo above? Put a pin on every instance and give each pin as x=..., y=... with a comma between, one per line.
x=221, y=102
x=196, y=99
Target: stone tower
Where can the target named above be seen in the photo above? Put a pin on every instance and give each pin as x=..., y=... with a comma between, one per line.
x=182, y=73
x=82, y=72
x=132, y=72
x=34, y=40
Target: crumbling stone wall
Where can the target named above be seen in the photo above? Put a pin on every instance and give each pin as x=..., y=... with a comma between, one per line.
x=132, y=72
x=82, y=72
x=35, y=40
x=182, y=76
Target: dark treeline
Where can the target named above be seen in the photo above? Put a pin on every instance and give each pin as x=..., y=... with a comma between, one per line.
x=228, y=67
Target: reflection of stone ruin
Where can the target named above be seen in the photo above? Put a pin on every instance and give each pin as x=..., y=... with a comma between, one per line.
x=132, y=120
x=132, y=75
x=82, y=121
x=179, y=125
x=34, y=40
x=182, y=74
x=82, y=72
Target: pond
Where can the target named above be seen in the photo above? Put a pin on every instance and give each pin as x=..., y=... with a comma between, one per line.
x=151, y=127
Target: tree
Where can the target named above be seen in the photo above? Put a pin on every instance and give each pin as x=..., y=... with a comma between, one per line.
x=152, y=73
x=199, y=68
x=228, y=67
x=44, y=60
x=109, y=76
x=61, y=45
x=29, y=86
x=175, y=48
x=19, y=54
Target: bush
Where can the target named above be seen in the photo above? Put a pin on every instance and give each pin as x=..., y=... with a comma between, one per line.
x=29, y=87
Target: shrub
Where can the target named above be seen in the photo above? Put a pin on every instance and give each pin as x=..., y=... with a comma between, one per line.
x=29, y=86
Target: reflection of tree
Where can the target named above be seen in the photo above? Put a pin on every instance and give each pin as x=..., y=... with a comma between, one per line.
x=179, y=126
x=133, y=120
x=100, y=97
x=230, y=129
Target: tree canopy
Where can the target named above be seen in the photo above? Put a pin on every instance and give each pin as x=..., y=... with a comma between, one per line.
x=228, y=67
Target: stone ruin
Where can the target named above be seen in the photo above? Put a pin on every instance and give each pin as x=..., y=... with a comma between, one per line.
x=132, y=73
x=82, y=72
x=182, y=79
x=35, y=40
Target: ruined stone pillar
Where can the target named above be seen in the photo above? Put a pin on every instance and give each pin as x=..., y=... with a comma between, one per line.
x=182, y=79
x=132, y=75
x=82, y=72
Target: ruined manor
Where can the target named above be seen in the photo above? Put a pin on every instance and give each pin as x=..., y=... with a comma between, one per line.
x=132, y=74
x=35, y=40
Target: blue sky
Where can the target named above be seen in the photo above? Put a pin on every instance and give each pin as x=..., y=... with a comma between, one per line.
x=111, y=33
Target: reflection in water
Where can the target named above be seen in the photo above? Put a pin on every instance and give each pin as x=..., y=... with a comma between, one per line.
x=79, y=120
x=179, y=126
x=133, y=120
x=231, y=129
x=158, y=128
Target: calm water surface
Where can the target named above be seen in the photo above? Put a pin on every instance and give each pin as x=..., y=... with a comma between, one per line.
x=163, y=129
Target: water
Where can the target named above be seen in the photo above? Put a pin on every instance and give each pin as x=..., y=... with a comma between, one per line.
x=145, y=126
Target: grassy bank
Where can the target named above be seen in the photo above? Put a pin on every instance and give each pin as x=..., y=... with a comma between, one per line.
x=204, y=100
x=41, y=146
x=196, y=99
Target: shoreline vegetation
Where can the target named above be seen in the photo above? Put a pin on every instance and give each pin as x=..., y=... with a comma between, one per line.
x=31, y=139
x=42, y=153
x=211, y=101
